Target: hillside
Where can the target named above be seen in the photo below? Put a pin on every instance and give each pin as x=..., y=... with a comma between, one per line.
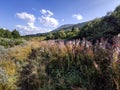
x=105, y=27
x=68, y=27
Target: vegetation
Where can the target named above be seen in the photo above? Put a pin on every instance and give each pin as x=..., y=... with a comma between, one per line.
x=62, y=34
x=106, y=27
x=61, y=65
x=65, y=63
x=15, y=34
x=6, y=42
x=8, y=34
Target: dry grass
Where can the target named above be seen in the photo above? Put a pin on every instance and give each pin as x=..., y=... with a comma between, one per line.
x=70, y=56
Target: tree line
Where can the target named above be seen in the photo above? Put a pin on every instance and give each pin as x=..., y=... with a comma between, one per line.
x=8, y=34
x=63, y=34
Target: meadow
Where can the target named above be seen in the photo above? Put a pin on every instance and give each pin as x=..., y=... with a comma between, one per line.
x=60, y=65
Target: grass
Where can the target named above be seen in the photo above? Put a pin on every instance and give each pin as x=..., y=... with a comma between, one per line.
x=59, y=65
x=11, y=42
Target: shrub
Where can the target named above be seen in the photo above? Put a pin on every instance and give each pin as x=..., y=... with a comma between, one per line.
x=10, y=42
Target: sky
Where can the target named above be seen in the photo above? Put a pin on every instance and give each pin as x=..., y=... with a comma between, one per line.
x=39, y=16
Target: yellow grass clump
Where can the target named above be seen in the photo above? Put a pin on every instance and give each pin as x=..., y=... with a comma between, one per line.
x=22, y=52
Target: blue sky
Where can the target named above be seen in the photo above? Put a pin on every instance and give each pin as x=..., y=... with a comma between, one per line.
x=38, y=16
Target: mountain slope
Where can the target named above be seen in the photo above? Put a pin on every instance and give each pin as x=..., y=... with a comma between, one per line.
x=106, y=27
x=70, y=26
x=62, y=27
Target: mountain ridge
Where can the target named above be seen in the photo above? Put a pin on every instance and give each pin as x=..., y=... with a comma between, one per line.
x=65, y=27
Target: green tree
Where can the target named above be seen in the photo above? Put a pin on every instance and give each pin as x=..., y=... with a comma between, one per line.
x=15, y=34
x=2, y=32
x=62, y=34
x=7, y=34
x=50, y=36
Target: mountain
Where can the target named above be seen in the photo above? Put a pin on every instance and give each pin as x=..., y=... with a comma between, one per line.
x=37, y=34
x=62, y=27
x=67, y=27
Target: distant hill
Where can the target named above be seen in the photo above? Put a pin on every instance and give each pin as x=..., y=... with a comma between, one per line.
x=65, y=27
x=70, y=26
x=35, y=35
x=62, y=27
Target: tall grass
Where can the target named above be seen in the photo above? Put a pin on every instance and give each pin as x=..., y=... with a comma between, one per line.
x=72, y=65
x=61, y=65
x=11, y=60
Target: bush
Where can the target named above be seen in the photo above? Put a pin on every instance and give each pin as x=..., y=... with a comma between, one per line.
x=10, y=42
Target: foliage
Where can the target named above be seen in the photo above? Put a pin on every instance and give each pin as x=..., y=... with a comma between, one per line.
x=59, y=65
x=10, y=42
x=62, y=34
x=7, y=34
x=105, y=27
x=15, y=34
x=11, y=61
x=7, y=75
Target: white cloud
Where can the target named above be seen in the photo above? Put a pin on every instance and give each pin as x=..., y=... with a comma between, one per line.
x=26, y=16
x=43, y=11
x=77, y=16
x=50, y=13
x=47, y=20
x=30, y=27
x=46, y=12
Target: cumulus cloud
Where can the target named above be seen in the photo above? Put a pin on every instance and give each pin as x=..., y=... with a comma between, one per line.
x=26, y=16
x=30, y=27
x=77, y=16
x=47, y=20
